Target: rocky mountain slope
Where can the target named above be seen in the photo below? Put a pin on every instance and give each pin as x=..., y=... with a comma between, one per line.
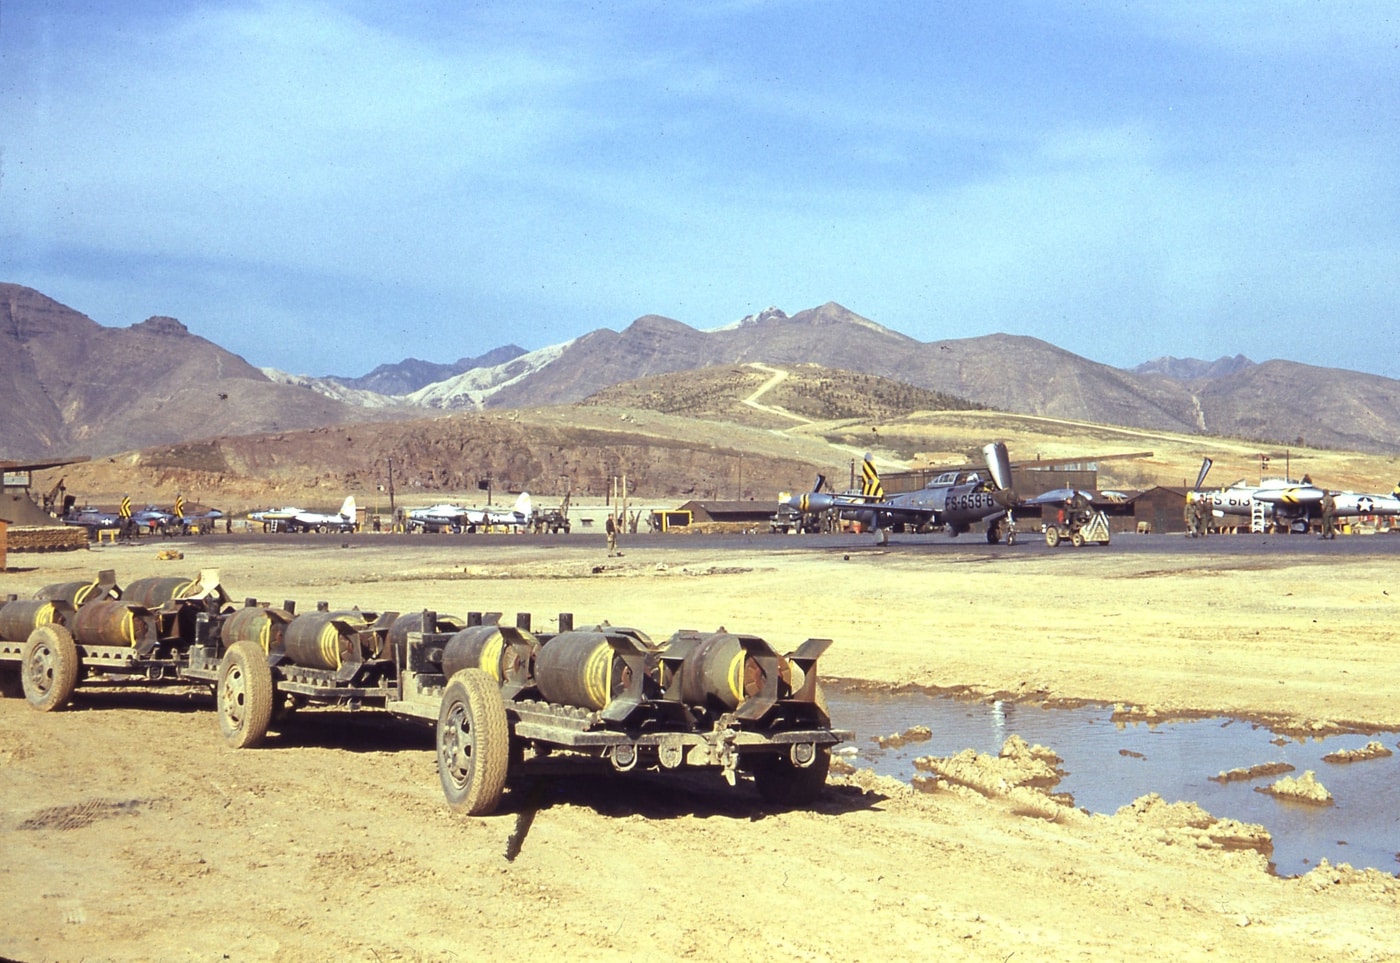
x=1276, y=402
x=74, y=387
x=70, y=386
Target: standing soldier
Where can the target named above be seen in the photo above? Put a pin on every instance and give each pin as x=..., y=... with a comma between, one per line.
x=1193, y=516
x=612, y=535
x=1329, y=512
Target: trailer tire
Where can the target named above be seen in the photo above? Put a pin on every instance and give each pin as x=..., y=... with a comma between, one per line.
x=782, y=783
x=245, y=695
x=473, y=743
x=49, y=668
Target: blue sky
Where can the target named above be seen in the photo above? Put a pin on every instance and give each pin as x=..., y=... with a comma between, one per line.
x=326, y=186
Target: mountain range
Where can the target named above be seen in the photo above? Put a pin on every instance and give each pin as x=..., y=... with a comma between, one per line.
x=70, y=386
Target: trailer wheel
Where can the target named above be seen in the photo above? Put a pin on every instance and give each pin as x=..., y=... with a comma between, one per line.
x=1052, y=536
x=1077, y=539
x=49, y=668
x=244, y=695
x=473, y=743
x=783, y=783
x=10, y=685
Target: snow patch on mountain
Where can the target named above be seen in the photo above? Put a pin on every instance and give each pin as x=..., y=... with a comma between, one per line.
x=333, y=389
x=472, y=389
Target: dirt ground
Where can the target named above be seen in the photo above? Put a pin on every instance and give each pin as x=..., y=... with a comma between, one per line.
x=132, y=833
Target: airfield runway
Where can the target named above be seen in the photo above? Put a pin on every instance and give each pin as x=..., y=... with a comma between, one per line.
x=1028, y=542
x=132, y=832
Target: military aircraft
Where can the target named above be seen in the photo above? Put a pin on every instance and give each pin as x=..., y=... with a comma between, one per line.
x=1289, y=504
x=438, y=518
x=301, y=520
x=517, y=516
x=92, y=519
x=955, y=500
x=457, y=518
x=1299, y=504
x=175, y=521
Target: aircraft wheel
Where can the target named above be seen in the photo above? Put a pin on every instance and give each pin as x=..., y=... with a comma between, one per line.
x=244, y=695
x=1052, y=536
x=1077, y=539
x=49, y=667
x=473, y=743
x=993, y=535
x=1011, y=538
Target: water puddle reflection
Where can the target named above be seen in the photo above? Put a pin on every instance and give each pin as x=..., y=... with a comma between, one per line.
x=1109, y=764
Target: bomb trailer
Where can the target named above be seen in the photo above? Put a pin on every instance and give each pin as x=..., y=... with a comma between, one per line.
x=718, y=700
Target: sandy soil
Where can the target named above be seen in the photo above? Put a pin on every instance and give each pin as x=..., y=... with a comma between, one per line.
x=131, y=832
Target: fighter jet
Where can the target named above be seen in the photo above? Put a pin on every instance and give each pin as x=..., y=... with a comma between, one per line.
x=1290, y=505
x=92, y=519
x=457, y=518
x=301, y=520
x=517, y=517
x=438, y=518
x=955, y=500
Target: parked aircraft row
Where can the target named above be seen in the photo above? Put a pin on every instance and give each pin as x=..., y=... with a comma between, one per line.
x=150, y=518
x=958, y=500
x=1288, y=504
x=954, y=500
x=291, y=519
x=447, y=517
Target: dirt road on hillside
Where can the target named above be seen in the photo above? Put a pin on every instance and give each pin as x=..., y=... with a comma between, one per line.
x=131, y=832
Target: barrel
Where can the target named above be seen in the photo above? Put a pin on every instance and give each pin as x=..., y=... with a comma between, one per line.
x=483, y=647
x=314, y=641
x=154, y=592
x=111, y=622
x=23, y=616
x=578, y=668
x=75, y=594
x=719, y=670
x=397, y=640
x=253, y=623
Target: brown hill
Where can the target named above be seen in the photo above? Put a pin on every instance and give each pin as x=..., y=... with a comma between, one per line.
x=71, y=386
x=763, y=396
x=1275, y=402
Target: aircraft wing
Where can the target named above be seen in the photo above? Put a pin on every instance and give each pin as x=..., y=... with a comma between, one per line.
x=274, y=514
x=1108, y=502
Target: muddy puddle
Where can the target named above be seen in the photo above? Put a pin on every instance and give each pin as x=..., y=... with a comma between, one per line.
x=1109, y=764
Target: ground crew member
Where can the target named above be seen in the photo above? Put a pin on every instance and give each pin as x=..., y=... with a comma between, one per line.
x=1329, y=512
x=612, y=536
x=1193, y=517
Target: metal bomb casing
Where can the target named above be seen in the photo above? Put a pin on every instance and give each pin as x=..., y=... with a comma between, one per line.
x=396, y=640
x=325, y=640
x=502, y=652
x=721, y=669
x=22, y=616
x=112, y=622
x=78, y=594
x=594, y=667
x=257, y=623
x=154, y=592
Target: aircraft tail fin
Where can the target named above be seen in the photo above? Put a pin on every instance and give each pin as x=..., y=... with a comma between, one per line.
x=1205, y=469
x=347, y=507
x=523, y=506
x=998, y=463
x=870, y=487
